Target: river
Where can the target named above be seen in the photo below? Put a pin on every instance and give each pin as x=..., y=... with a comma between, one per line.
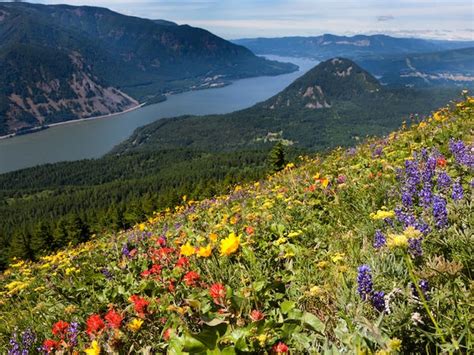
x=93, y=138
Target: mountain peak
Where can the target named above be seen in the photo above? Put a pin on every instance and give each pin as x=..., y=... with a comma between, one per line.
x=334, y=79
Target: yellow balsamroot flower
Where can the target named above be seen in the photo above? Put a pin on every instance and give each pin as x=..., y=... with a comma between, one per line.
x=412, y=232
x=262, y=339
x=382, y=214
x=295, y=234
x=394, y=344
x=230, y=244
x=16, y=286
x=142, y=226
x=397, y=241
x=187, y=249
x=280, y=241
x=94, y=349
x=205, y=252
x=135, y=325
x=71, y=270
x=422, y=124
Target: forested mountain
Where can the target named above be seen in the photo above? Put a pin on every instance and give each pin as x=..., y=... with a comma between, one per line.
x=336, y=103
x=328, y=46
x=63, y=62
x=454, y=66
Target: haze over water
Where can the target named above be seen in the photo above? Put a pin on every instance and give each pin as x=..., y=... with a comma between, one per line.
x=94, y=138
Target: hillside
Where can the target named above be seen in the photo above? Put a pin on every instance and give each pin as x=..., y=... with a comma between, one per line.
x=63, y=62
x=454, y=66
x=335, y=103
x=365, y=250
x=328, y=46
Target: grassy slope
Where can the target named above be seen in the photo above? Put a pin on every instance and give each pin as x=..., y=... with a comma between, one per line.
x=303, y=234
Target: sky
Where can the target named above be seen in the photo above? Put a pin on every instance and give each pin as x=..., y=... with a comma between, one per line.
x=231, y=19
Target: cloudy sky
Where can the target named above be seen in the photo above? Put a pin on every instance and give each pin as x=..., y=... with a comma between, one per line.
x=445, y=19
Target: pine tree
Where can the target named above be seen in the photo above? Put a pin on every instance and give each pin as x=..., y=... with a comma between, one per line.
x=276, y=158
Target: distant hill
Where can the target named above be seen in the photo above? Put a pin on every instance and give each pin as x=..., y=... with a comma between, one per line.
x=63, y=62
x=454, y=66
x=335, y=103
x=328, y=46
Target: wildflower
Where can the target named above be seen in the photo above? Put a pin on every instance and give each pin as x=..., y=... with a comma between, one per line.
x=458, y=192
x=407, y=198
x=441, y=162
x=60, y=328
x=187, y=249
x=397, y=241
x=94, y=324
x=416, y=319
x=249, y=230
x=114, y=319
x=411, y=232
x=439, y=211
x=414, y=246
x=167, y=334
x=217, y=292
x=425, y=196
x=461, y=153
x=382, y=214
x=364, y=281
x=94, y=349
x=140, y=304
x=379, y=240
x=191, y=278
x=424, y=287
x=337, y=257
x=280, y=348
x=205, y=252
x=394, y=344
x=73, y=333
x=378, y=300
x=230, y=244
x=182, y=262
x=106, y=272
x=256, y=315
x=444, y=180
x=213, y=237
x=135, y=325
x=126, y=251
x=49, y=345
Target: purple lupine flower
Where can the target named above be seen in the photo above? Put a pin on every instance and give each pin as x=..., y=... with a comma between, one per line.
x=379, y=239
x=423, y=227
x=425, y=195
x=444, y=181
x=408, y=219
x=364, y=281
x=412, y=173
x=463, y=155
x=351, y=151
x=126, y=251
x=458, y=192
x=73, y=333
x=429, y=170
x=440, y=212
x=378, y=301
x=414, y=246
x=28, y=339
x=14, y=345
x=407, y=198
x=106, y=272
x=389, y=222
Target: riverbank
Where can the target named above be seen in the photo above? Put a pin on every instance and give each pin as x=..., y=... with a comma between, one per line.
x=36, y=128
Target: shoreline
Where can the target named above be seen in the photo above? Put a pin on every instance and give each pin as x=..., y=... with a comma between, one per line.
x=12, y=135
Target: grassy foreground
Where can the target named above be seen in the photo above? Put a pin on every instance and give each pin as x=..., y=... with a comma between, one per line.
x=368, y=250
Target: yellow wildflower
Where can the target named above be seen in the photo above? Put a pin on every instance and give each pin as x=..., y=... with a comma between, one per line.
x=213, y=237
x=315, y=291
x=295, y=234
x=135, y=325
x=337, y=257
x=142, y=226
x=205, y=251
x=397, y=241
x=382, y=214
x=322, y=264
x=71, y=270
x=412, y=232
x=94, y=349
x=280, y=241
x=422, y=124
x=262, y=339
x=394, y=344
x=230, y=244
x=289, y=166
x=187, y=249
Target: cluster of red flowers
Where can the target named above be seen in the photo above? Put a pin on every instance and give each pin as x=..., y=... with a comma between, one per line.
x=140, y=304
x=114, y=319
x=280, y=348
x=95, y=324
x=191, y=278
x=218, y=293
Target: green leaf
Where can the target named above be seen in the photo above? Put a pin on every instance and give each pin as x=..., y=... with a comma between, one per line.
x=287, y=306
x=312, y=321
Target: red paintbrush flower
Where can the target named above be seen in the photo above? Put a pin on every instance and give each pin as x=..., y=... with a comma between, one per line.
x=49, y=345
x=191, y=278
x=114, y=319
x=140, y=304
x=94, y=324
x=217, y=292
x=280, y=348
x=60, y=328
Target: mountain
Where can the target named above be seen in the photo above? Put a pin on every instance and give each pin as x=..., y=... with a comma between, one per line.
x=366, y=250
x=64, y=62
x=327, y=46
x=335, y=103
x=454, y=66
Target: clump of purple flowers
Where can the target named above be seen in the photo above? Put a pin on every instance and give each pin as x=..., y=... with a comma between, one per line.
x=379, y=239
x=365, y=288
x=424, y=287
x=458, y=192
x=22, y=346
x=440, y=213
x=462, y=154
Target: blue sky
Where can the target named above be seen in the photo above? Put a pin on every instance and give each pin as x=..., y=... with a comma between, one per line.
x=445, y=19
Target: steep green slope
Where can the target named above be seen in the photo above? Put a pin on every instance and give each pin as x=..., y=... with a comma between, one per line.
x=335, y=103
x=63, y=62
x=368, y=250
